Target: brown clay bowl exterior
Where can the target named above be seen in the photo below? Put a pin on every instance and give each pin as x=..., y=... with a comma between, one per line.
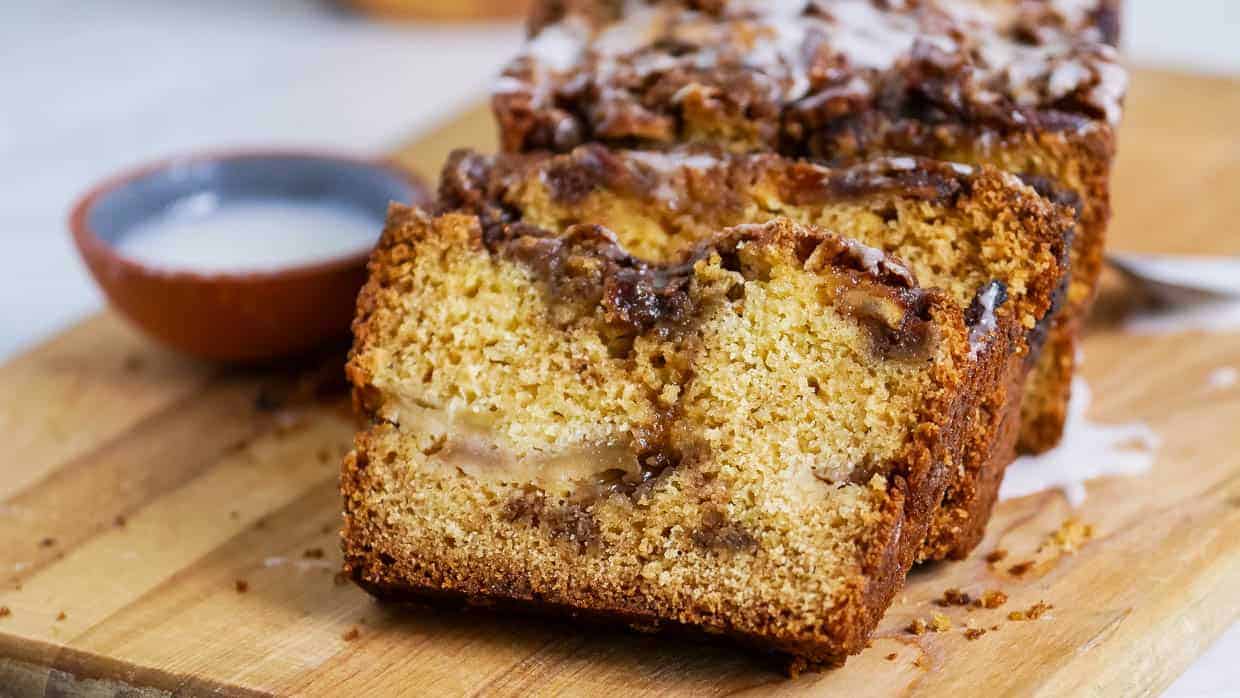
x=242, y=317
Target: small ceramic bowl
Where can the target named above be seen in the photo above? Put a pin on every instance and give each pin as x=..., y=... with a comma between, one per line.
x=243, y=316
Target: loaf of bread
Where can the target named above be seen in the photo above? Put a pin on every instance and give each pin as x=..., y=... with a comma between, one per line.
x=692, y=389
x=1029, y=86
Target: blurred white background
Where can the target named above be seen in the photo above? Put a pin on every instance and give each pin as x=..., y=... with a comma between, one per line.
x=87, y=88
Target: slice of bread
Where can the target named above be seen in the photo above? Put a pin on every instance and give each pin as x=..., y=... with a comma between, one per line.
x=748, y=440
x=959, y=228
x=747, y=432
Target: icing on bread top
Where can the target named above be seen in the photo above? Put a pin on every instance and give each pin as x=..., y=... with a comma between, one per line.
x=1002, y=63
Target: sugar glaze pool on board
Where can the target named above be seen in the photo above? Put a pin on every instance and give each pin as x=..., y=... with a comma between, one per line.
x=203, y=234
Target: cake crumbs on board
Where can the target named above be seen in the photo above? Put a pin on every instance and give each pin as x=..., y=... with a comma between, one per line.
x=1069, y=538
x=954, y=597
x=1034, y=612
x=991, y=599
x=1020, y=568
x=938, y=623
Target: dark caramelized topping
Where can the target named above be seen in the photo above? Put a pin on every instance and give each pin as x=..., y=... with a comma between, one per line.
x=913, y=177
x=705, y=176
x=898, y=323
x=588, y=268
x=828, y=79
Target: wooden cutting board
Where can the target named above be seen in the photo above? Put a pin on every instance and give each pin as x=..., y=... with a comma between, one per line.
x=172, y=526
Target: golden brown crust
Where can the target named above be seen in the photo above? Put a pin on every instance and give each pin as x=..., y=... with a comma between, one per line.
x=960, y=522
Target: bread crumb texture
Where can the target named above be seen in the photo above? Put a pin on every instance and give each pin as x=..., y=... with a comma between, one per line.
x=744, y=427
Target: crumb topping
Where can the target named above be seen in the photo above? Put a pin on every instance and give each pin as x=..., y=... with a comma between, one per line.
x=638, y=73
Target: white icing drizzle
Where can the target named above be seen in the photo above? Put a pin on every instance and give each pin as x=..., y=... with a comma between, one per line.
x=669, y=163
x=1066, y=78
x=1111, y=88
x=641, y=26
x=1086, y=451
x=1074, y=12
x=986, y=324
x=787, y=46
x=868, y=36
x=785, y=8
x=902, y=163
x=559, y=46
x=872, y=38
x=870, y=257
x=1223, y=378
x=506, y=84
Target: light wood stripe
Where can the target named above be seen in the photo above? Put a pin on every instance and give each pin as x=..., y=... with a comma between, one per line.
x=83, y=497
x=79, y=389
x=111, y=567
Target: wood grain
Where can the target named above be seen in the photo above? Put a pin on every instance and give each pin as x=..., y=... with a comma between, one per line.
x=217, y=492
